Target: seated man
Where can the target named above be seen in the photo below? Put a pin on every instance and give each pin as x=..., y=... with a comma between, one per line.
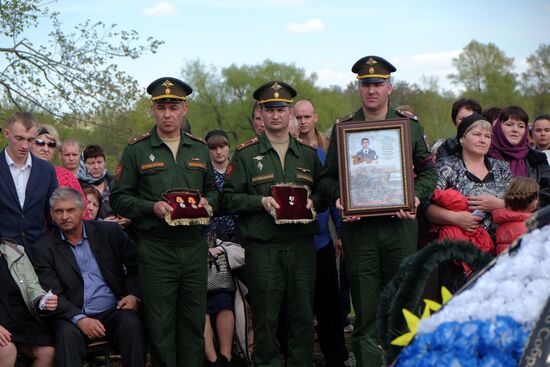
x=92, y=266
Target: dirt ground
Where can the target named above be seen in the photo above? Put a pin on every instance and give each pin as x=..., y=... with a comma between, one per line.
x=318, y=358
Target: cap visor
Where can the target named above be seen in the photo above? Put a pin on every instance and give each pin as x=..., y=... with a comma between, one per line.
x=372, y=80
x=275, y=104
x=168, y=100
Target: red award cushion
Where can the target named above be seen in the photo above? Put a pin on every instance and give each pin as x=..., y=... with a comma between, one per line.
x=185, y=205
x=292, y=202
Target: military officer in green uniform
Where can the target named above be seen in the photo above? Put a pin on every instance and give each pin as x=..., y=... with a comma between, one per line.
x=280, y=258
x=172, y=259
x=375, y=246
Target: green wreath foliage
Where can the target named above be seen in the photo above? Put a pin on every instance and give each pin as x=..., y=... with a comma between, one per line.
x=406, y=288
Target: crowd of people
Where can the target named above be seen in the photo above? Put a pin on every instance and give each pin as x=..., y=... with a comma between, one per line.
x=88, y=255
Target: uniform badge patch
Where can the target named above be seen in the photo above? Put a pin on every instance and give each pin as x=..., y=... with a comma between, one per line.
x=194, y=164
x=229, y=171
x=147, y=166
x=118, y=171
x=152, y=157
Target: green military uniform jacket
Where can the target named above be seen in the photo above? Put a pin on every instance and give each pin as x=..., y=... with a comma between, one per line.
x=255, y=167
x=147, y=169
x=425, y=174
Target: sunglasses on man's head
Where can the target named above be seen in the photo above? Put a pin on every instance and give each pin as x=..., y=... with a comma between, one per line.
x=41, y=143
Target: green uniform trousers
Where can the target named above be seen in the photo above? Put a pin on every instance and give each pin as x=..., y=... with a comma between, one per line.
x=374, y=248
x=278, y=272
x=173, y=282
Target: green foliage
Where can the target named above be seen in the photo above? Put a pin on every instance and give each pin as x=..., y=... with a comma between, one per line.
x=223, y=99
x=536, y=80
x=483, y=68
x=83, y=88
x=75, y=73
x=431, y=107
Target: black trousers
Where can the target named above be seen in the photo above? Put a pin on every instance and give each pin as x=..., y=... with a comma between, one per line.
x=124, y=331
x=328, y=308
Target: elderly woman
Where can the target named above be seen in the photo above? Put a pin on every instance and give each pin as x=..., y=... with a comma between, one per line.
x=44, y=147
x=510, y=144
x=21, y=301
x=481, y=179
x=93, y=173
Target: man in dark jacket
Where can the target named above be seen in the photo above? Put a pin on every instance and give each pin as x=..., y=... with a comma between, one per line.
x=92, y=266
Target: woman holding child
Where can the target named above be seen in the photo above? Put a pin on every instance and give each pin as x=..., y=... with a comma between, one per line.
x=482, y=180
x=471, y=172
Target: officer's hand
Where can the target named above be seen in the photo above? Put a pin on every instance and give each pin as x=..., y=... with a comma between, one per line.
x=161, y=208
x=341, y=208
x=92, y=328
x=129, y=302
x=5, y=336
x=269, y=203
x=203, y=202
x=408, y=215
x=309, y=204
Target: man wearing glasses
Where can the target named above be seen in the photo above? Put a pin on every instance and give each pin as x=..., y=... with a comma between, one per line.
x=26, y=183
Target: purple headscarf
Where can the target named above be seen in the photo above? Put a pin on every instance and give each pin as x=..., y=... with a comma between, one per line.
x=502, y=149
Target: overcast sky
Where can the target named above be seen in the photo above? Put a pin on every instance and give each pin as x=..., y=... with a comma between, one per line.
x=324, y=37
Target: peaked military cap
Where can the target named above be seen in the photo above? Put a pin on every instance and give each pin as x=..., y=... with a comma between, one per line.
x=373, y=69
x=274, y=94
x=169, y=90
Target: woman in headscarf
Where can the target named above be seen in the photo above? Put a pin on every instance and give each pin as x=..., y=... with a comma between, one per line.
x=93, y=173
x=510, y=144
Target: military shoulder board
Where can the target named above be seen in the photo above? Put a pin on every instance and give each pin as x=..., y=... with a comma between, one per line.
x=344, y=118
x=194, y=137
x=406, y=115
x=135, y=139
x=247, y=143
x=306, y=144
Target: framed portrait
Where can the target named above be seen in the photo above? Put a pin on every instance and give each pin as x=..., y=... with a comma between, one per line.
x=375, y=167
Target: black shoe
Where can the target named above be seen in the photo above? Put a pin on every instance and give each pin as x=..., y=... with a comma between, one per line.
x=223, y=361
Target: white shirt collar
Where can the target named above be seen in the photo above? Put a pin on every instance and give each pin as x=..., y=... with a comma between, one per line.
x=9, y=161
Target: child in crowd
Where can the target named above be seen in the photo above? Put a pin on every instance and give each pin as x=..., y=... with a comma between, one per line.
x=520, y=199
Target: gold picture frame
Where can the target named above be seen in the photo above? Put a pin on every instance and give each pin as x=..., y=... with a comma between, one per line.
x=375, y=167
